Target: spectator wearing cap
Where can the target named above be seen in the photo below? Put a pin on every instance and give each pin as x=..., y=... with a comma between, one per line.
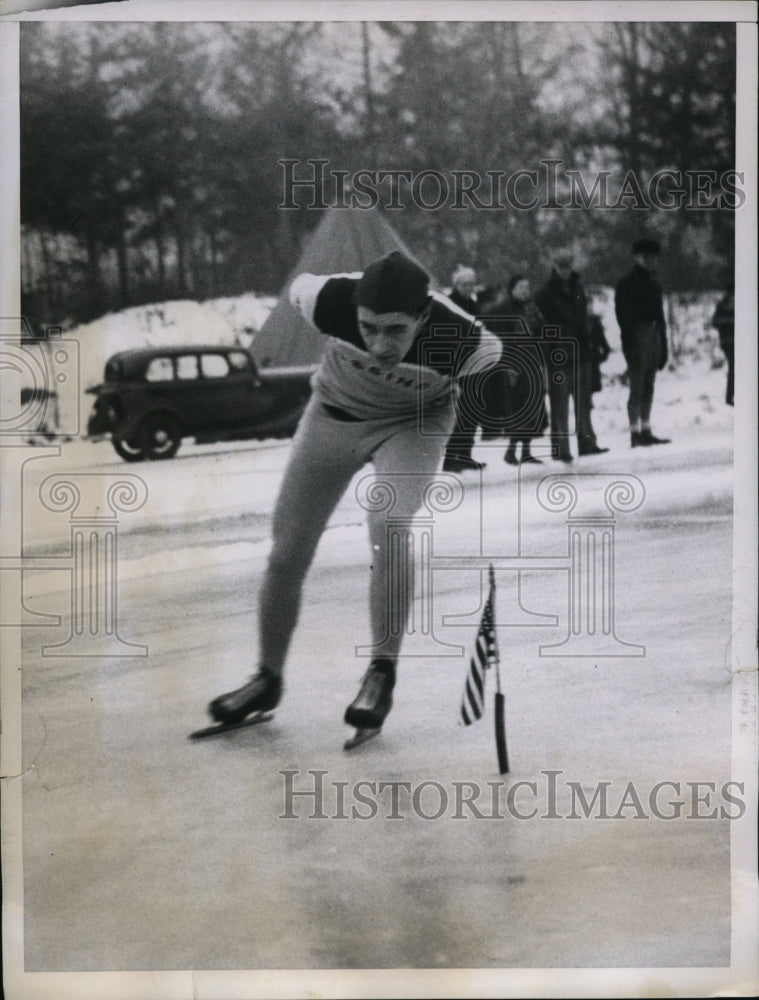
x=458, y=454
x=563, y=303
x=639, y=308
x=380, y=397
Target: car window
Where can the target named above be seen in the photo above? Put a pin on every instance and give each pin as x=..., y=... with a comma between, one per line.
x=238, y=361
x=214, y=365
x=159, y=370
x=187, y=366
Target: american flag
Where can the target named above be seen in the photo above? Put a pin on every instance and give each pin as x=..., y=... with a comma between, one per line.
x=485, y=655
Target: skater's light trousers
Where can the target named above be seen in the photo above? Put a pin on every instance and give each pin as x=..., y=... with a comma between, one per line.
x=327, y=453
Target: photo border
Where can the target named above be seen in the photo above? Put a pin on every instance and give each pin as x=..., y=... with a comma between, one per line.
x=740, y=977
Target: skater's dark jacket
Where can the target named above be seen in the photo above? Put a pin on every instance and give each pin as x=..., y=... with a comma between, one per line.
x=450, y=343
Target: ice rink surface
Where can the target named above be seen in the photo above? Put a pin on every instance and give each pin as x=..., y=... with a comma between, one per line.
x=146, y=851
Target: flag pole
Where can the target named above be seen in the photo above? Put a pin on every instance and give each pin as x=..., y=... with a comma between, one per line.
x=500, y=701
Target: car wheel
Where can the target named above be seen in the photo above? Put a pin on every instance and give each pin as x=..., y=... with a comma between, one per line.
x=130, y=451
x=161, y=436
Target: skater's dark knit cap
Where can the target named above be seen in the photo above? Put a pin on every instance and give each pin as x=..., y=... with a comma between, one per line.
x=394, y=283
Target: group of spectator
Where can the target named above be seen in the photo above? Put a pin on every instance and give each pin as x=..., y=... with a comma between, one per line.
x=553, y=347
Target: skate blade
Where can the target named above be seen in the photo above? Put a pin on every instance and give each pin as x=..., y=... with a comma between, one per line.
x=227, y=727
x=362, y=735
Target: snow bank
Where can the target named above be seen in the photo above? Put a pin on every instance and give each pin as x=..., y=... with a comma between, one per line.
x=226, y=321
x=689, y=392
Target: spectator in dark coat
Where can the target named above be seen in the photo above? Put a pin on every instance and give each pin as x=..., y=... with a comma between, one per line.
x=724, y=321
x=520, y=376
x=563, y=303
x=640, y=313
x=458, y=454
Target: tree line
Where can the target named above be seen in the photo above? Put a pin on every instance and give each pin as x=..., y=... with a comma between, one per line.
x=153, y=155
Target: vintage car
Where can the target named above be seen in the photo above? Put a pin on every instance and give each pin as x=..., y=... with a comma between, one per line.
x=153, y=397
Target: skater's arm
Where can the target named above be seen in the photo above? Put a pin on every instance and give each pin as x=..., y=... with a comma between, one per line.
x=484, y=352
x=325, y=302
x=470, y=346
x=488, y=352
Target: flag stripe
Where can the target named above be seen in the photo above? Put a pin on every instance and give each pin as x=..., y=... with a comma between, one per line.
x=474, y=701
x=474, y=704
x=485, y=654
x=475, y=685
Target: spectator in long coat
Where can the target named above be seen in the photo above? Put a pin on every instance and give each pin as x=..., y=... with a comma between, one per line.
x=563, y=303
x=458, y=454
x=640, y=313
x=519, y=380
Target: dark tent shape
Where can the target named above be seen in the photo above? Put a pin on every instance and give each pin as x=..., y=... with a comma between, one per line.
x=346, y=240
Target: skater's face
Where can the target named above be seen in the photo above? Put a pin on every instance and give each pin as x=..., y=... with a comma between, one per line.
x=388, y=336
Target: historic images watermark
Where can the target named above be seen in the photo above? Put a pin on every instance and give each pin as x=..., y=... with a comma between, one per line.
x=313, y=183
x=550, y=795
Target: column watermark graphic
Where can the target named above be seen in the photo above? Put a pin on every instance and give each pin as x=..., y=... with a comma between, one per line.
x=411, y=547
x=36, y=372
x=94, y=554
x=402, y=507
x=591, y=527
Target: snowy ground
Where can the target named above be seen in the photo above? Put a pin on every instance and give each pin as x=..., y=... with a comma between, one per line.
x=144, y=851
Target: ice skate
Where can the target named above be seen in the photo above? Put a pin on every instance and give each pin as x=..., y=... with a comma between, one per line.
x=360, y=736
x=246, y=706
x=367, y=712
